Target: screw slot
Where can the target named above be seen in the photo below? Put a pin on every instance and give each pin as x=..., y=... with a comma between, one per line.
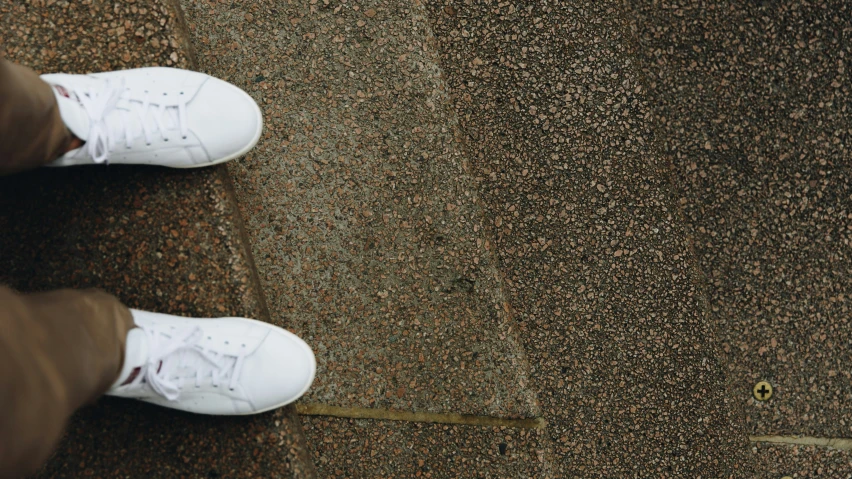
x=762, y=391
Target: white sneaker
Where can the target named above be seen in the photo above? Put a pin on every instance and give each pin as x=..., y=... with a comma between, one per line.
x=155, y=116
x=223, y=366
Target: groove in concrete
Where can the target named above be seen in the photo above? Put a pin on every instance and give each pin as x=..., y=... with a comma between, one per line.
x=832, y=442
x=411, y=416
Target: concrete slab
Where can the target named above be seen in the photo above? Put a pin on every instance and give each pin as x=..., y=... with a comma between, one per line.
x=362, y=220
x=598, y=266
x=160, y=240
x=348, y=448
x=753, y=106
x=800, y=462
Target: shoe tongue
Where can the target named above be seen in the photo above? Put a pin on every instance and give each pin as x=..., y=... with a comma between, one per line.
x=135, y=356
x=72, y=111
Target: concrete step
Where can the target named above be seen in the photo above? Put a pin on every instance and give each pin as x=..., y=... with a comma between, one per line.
x=465, y=207
x=595, y=257
x=368, y=236
x=160, y=240
x=753, y=102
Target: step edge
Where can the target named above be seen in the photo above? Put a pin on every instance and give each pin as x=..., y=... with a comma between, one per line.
x=307, y=469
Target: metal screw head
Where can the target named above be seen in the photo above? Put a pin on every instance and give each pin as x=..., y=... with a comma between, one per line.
x=762, y=391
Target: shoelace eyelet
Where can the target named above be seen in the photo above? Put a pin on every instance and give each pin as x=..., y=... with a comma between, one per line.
x=99, y=104
x=170, y=382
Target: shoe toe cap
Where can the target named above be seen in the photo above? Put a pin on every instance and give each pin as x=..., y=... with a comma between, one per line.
x=225, y=119
x=280, y=371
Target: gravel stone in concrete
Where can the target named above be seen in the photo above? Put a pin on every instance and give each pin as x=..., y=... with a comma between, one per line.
x=351, y=449
x=597, y=263
x=363, y=222
x=752, y=108
x=160, y=240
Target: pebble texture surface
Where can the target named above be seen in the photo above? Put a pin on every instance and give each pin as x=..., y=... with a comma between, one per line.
x=804, y=462
x=596, y=261
x=161, y=240
x=424, y=209
x=753, y=111
x=367, y=233
x=362, y=220
x=358, y=449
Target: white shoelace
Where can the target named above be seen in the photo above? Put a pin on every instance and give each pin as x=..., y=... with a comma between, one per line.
x=145, y=116
x=176, y=356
